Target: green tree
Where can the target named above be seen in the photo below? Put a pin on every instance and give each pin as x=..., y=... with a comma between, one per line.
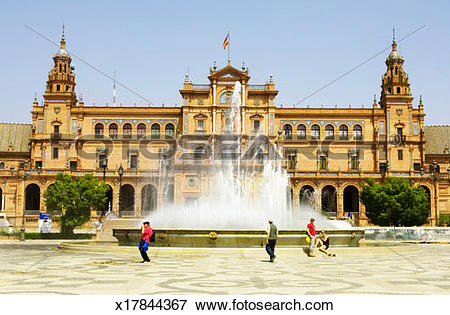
x=395, y=202
x=75, y=197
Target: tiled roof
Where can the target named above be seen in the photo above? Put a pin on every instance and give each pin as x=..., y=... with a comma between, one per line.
x=16, y=134
x=437, y=138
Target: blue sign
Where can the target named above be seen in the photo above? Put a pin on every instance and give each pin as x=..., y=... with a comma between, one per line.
x=43, y=216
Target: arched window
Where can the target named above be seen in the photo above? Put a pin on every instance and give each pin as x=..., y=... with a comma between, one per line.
x=287, y=131
x=315, y=132
x=141, y=129
x=98, y=130
x=301, y=131
x=225, y=98
x=357, y=132
x=2, y=165
x=113, y=130
x=170, y=130
x=127, y=130
x=343, y=132
x=329, y=132
x=156, y=129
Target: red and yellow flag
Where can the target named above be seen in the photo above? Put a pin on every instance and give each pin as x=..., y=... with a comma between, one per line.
x=225, y=42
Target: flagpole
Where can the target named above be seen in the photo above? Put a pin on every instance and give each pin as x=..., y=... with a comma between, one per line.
x=229, y=47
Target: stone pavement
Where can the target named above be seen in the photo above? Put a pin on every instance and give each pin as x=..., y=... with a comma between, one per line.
x=35, y=267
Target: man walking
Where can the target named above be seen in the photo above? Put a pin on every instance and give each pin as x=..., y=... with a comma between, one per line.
x=145, y=241
x=271, y=240
x=311, y=231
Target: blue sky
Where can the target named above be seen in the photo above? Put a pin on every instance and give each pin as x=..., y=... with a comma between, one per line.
x=151, y=44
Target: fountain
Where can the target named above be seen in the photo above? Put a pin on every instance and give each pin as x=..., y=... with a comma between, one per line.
x=244, y=190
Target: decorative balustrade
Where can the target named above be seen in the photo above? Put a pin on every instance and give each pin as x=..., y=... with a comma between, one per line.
x=200, y=86
x=127, y=213
x=256, y=87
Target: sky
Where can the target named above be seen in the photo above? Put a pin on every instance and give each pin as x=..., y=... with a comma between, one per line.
x=152, y=45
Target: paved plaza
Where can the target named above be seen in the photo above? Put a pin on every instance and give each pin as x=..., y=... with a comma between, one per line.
x=36, y=267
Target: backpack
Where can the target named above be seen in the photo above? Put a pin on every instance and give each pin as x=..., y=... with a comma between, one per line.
x=152, y=237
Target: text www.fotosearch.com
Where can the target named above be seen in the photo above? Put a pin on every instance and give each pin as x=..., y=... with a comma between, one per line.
x=247, y=305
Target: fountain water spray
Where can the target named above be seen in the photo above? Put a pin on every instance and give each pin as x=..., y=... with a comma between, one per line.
x=236, y=196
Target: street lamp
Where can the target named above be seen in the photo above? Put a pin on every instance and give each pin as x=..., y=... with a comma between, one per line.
x=120, y=186
x=104, y=166
x=23, y=166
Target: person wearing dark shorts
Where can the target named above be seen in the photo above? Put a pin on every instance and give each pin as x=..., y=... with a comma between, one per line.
x=271, y=240
x=144, y=243
x=323, y=242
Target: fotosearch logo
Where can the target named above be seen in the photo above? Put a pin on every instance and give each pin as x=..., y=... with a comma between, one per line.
x=217, y=147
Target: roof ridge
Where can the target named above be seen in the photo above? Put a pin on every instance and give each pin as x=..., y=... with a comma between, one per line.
x=8, y=123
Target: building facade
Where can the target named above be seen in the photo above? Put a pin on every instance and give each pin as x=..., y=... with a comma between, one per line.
x=153, y=156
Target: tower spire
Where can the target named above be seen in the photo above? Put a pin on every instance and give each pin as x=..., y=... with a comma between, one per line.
x=394, y=43
x=63, y=40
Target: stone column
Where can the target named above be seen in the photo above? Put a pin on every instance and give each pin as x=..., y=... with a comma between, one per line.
x=317, y=199
x=340, y=202
x=296, y=197
x=138, y=202
x=116, y=194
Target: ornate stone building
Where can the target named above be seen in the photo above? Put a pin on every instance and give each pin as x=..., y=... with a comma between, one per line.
x=153, y=156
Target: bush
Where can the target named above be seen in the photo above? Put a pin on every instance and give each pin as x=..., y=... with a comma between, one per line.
x=444, y=218
x=75, y=197
x=394, y=202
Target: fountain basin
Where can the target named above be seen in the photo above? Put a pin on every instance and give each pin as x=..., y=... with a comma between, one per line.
x=231, y=238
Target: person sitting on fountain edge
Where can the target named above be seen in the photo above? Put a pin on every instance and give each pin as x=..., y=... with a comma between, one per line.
x=271, y=240
x=311, y=231
x=323, y=243
x=145, y=241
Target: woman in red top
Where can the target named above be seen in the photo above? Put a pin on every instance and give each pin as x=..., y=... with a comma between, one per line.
x=145, y=241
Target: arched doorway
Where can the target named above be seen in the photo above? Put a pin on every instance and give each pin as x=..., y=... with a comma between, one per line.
x=351, y=200
x=149, y=199
x=126, y=200
x=428, y=192
x=32, y=199
x=329, y=200
x=307, y=197
x=108, y=204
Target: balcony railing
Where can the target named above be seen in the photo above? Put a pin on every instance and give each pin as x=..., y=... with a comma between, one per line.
x=295, y=137
x=32, y=212
x=256, y=87
x=201, y=86
x=55, y=136
x=127, y=213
